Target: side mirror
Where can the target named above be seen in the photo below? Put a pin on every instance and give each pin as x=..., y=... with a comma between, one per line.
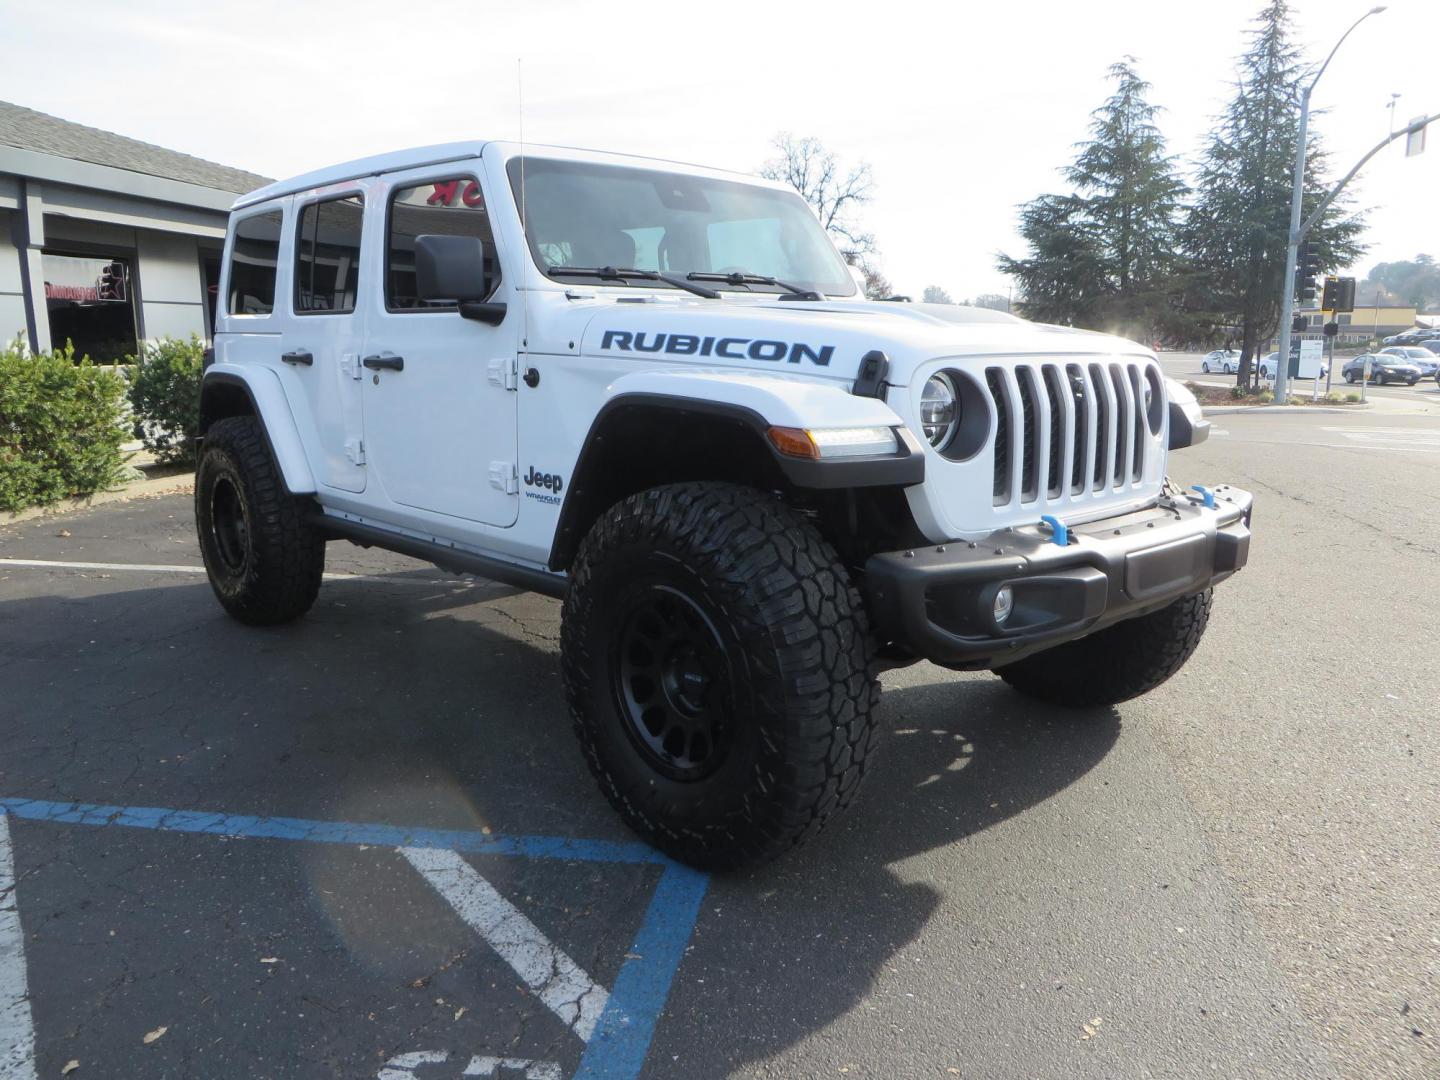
x=454, y=268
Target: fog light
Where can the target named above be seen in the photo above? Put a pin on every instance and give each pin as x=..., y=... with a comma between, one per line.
x=1004, y=604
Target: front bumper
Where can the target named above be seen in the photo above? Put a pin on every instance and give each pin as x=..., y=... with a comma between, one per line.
x=937, y=602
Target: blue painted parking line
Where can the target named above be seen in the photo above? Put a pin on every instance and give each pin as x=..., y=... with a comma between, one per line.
x=624, y=1029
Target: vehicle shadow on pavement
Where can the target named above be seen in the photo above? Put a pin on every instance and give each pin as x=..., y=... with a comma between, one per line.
x=415, y=700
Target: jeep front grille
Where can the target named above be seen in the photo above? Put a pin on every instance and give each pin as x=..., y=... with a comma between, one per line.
x=1067, y=433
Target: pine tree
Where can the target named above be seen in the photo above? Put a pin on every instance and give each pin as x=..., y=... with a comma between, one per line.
x=1105, y=256
x=1238, y=227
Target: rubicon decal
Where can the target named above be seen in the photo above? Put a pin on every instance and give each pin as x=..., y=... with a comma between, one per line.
x=726, y=348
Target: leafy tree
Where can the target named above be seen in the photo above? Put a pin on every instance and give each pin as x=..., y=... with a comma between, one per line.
x=835, y=192
x=1237, y=230
x=877, y=285
x=991, y=300
x=1411, y=282
x=934, y=294
x=1063, y=280
x=1105, y=256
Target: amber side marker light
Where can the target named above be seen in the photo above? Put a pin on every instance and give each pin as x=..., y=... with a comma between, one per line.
x=794, y=442
x=824, y=444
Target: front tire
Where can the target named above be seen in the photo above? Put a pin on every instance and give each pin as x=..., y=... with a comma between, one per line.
x=1118, y=663
x=263, y=557
x=717, y=660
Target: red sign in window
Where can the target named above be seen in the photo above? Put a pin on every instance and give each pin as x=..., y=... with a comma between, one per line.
x=446, y=191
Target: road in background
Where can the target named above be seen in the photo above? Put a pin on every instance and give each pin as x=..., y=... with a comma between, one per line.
x=1186, y=367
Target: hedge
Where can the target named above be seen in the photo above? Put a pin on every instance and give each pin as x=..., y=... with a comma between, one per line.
x=165, y=398
x=61, y=427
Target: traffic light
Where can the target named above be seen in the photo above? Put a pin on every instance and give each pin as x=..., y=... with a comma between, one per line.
x=1331, y=294
x=1299, y=324
x=1306, y=267
x=1345, y=295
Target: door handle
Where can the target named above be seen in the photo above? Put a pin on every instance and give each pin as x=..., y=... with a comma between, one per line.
x=384, y=362
x=299, y=356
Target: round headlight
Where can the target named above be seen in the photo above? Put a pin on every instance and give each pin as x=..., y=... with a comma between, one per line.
x=939, y=410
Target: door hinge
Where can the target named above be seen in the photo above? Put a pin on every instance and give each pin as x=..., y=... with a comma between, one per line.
x=505, y=476
x=506, y=372
x=355, y=451
x=350, y=365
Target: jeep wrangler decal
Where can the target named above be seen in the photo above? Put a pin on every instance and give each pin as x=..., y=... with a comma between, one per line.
x=727, y=348
x=550, y=482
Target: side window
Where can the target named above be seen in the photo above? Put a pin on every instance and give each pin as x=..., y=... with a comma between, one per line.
x=453, y=207
x=327, y=256
x=252, y=264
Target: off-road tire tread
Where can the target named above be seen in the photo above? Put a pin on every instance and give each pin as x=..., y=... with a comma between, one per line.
x=804, y=629
x=283, y=579
x=1118, y=663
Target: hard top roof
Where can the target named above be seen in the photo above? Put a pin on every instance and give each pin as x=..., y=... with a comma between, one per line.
x=439, y=154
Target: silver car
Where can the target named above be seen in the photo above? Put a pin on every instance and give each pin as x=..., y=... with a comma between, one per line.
x=1225, y=361
x=1424, y=359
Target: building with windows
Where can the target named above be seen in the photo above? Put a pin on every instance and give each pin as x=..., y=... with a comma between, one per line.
x=106, y=241
x=1362, y=324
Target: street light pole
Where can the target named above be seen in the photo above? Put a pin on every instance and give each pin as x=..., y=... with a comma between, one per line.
x=1296, y=235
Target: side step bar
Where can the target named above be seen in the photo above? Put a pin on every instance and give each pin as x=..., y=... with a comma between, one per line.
x=447, y=558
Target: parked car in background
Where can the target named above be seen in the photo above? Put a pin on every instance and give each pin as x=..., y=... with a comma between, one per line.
x=1422, y=358
x=1384, y=368
x=1431, y=344
x=1408, y=337
x=1225, y=361
x=1269, y=365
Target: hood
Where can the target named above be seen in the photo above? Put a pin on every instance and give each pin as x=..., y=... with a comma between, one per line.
x=821, y=340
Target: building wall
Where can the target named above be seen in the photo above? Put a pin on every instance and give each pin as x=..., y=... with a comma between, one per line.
x=12, y=300
x=172, y=293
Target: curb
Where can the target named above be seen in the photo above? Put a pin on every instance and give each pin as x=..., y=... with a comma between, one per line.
x=162, y=485
x=1235, y=410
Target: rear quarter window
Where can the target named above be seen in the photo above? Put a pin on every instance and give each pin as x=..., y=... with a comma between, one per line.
x=254, y=256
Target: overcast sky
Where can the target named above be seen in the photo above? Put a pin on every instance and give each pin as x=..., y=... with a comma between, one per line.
x=963, y=110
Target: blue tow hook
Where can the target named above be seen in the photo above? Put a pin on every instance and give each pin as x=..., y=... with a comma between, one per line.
x=1059, y=533
x=1207, y=493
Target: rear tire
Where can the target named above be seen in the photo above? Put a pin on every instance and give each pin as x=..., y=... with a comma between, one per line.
x=262, y=555
x=717, y=660
x=1118, y=663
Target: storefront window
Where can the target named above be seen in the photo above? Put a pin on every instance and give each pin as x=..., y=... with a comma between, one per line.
x=91, y=305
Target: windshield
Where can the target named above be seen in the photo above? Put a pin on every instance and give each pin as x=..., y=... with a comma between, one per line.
x=580, y=214
x=1418, y=354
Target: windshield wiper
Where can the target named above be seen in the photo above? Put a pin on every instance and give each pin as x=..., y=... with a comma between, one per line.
x=630, y=273
x=739, y=279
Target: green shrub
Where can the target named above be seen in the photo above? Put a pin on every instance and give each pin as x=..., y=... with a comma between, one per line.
x=1237, y=392
x=1265, y=397
x=165, y=398
x=1352, y=396
x=61, y=427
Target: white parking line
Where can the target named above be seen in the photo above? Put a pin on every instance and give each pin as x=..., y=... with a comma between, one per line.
x=558, y=981
x=17, y=1028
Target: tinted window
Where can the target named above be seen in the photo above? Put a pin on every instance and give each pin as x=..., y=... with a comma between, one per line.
x=252, y=264
x=327, y=256
x=454, y=207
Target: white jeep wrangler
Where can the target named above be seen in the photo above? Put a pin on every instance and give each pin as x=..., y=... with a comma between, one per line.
x=653, y=391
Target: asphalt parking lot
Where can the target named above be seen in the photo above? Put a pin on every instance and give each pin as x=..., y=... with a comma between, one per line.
x=365, y=845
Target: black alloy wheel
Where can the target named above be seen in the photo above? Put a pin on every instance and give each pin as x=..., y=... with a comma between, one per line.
x=673, y=683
